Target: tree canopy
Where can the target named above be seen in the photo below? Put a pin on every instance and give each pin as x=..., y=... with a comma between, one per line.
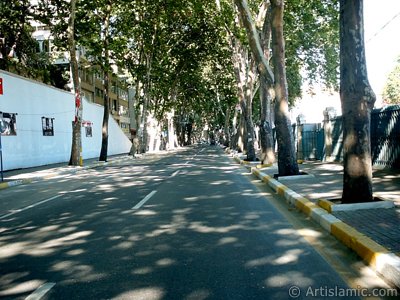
x=391, y=90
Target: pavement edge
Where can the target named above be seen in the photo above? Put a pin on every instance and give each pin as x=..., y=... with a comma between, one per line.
x=12, y=183
x=375, y=255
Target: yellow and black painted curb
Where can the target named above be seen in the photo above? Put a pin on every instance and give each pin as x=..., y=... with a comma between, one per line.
x=5, y=185
x=374, y=254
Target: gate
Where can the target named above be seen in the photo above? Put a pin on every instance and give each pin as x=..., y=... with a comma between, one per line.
x=311, y=144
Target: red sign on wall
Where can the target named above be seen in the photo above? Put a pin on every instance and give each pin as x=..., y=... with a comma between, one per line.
x=1, y=86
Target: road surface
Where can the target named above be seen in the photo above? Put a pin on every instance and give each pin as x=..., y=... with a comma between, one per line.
x=184, y=226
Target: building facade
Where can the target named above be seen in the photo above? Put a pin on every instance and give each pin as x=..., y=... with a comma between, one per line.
x=91, y=78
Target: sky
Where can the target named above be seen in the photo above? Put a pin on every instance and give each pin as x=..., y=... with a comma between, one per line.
x=382, y=47
x=382, y=43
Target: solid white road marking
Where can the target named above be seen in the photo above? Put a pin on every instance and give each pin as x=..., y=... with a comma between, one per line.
x=145, y=199
x=41, y=291
x=29, y=206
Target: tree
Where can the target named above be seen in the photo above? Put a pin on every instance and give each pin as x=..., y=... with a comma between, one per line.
x=357, y=99
x=266, y=99
x=287, y=163
x=76, y=148
x=18, y=49
x=179, y=64
x=95, y=31
x=391, y=90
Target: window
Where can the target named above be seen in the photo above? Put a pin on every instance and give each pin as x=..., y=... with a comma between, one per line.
x=47, y=126
x=123, y=94
x=114, y=87
x=99, y=93
x=87, y=76
x=88, y=95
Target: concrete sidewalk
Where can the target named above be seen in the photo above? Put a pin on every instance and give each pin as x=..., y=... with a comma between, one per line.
x=28, y=175
x=372, y=231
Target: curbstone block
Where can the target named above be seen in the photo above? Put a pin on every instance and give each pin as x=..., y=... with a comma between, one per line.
x=345, y=233
x=266, y=179
x=262, y=166
x=281, y=189
x=369, y=250
x=327, y=220
x=305, y=205
x=256, y=172
x=3, y=185
x=326, y=204
x=291, y=197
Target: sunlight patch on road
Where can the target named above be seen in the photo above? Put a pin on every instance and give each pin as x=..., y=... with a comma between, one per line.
x=22, y=288
x=124, y=245
x=288, y=278
x=145, y=212
x=165, y=262
x=227, y=240
x=201, y=228
x=75, y=252
x=150, y=293
x=290, y=256
x=77, y=270
x=309, y=233
x=142, y=271
x=198, y=295
x=46, y=248
x=13, y=249
x=206, y=197
x=221, y=182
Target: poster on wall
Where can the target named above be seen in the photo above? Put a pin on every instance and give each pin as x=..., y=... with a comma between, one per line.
x=48, y=126
x=88, y=128
x=8, y=123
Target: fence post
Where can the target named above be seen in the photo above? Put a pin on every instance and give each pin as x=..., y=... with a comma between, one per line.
x=328, y=134
x=300, y=120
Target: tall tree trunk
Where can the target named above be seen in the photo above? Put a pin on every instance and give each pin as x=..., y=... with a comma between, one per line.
x=267, y=155
x=145, y=114
x=254, y=41
x=244, y=82
x=235, y=129
x=357, y=98
x=248, y=118
x=266, y=135
x=266, y=77
x=106, y=116
x=76, y=148
x=227, y=137
x=106, y=69
x=287, y=163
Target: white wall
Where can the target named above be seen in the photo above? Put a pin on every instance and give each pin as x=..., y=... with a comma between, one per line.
x=32, y=100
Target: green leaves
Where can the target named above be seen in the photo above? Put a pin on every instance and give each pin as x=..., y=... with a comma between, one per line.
x=391, y=91
x=312, y=43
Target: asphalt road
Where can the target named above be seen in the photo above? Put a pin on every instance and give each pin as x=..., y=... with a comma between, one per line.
x=183, y=226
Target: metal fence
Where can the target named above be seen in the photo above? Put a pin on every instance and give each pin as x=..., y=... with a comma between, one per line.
x=385, y=139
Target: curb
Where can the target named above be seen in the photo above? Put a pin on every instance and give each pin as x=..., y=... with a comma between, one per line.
x=375, y=255
x=17, y=182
